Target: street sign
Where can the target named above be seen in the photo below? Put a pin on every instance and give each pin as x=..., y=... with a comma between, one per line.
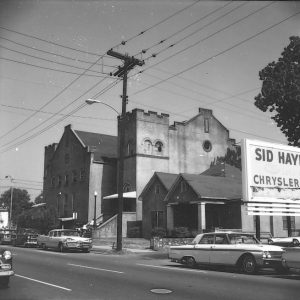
x=271, y=178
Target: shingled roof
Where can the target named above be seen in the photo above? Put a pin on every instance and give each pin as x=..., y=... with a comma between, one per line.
x=103, y=146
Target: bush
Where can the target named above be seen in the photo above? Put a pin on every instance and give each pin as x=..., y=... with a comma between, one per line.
x=134, y=232
x=159, y=232
x=181, y=232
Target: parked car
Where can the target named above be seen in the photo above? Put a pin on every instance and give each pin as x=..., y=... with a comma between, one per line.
x=291, y=259
x=64, y=239
x=240, y=250
x=7, y=236
x=6, y=269
x=292, y=241
x=26, y=237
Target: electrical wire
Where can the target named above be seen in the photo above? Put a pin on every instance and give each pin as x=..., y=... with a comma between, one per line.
x=218, y=54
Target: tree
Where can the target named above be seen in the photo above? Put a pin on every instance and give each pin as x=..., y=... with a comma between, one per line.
x=20, y=202
x=232, y=157
x=39, y=199
x=280, y=92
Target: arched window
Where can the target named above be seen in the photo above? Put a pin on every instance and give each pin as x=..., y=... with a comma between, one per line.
x=158, y=147
x=147, y=146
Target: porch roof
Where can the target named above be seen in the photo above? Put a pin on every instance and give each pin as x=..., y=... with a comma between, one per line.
x=125, y=195
x=214, y=186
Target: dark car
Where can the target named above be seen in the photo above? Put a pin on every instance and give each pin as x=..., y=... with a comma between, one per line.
x=7, y=236
x=6, y=267
x=26, y=238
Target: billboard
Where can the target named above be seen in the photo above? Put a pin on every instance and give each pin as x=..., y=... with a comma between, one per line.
x=271, y=178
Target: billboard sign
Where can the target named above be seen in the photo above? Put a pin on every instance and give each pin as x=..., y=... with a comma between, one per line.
x=271, y=177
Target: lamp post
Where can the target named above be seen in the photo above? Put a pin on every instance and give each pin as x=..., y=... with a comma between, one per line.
x=11, y=199
x=95, y=196
x=120, y=170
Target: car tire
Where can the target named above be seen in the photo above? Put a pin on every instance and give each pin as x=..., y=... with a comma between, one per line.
x=190, y=262
x=4, y=281
x=248, y=265
x=295, y=243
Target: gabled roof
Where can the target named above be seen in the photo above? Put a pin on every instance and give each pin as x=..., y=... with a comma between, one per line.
x=224, y=170
x=166, y=179
x=103, y=146
x=210, y=187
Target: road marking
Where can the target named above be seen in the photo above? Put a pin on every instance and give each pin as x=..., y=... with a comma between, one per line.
x=86, y=267
x=43, y=282
x=172, y=268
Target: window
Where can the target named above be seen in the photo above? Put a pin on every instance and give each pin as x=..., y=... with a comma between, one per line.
x=207, y=239
x=221, y=239
x=156, y=189
x=74, y=175
x=158, y=147
x=183, y=186
x=147, y=147
x=67, y=158
x=59, y=180
x=82, y=174
x=156, y=219
x=53, y=181
x=285, y=222
x=129, y=148
x=207, y=146
x=206, y=125
x=67, y=179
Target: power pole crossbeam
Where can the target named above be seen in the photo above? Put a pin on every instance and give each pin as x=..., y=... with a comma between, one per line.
x=129, y=63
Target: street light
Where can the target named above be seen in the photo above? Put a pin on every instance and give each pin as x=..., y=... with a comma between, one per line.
x=11, y=199
x=92, y=101
x=95, y=195
x=120, y=176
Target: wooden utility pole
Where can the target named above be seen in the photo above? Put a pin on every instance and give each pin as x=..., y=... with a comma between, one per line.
x=129, y=63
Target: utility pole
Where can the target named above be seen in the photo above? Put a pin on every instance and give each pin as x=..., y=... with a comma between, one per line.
x=129, y=63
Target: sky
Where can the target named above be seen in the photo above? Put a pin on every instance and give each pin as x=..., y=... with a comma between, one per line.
x=53, y=56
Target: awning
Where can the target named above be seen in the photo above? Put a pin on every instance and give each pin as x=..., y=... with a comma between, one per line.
x=125, y=195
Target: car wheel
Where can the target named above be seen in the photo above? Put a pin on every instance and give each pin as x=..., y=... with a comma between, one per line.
x=4, y=281
x=295, y=243
x=190, y=262
x=248, y=265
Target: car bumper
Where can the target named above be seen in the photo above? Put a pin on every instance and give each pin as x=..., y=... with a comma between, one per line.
x=7, y=273
x=270, y=263
x=78, y=246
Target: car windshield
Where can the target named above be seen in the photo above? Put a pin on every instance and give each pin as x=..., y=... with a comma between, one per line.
x=70, y=233
x=242, y=239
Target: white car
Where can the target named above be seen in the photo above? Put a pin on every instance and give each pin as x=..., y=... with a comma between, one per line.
x=241, y=250
x=292, y=241
x=291, y=259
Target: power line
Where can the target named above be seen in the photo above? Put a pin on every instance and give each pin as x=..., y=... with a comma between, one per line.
x=208, y=37
x=216, y=55
x=181, y=30
x=48, y=60
x=51, y=69
x=53, y=53
x=155, y=25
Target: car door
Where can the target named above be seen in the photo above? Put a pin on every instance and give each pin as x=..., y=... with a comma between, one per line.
x=203, y=248
x=222, y=252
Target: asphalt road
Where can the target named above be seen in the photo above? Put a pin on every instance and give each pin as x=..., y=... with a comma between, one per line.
x=52, y=275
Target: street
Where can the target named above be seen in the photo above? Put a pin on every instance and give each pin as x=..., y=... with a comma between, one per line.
x=41, y=274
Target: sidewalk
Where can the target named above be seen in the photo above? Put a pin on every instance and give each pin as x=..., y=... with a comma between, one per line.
x=129, y=246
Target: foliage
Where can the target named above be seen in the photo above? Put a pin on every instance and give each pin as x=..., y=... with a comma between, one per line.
x=181, y=232
x=20, y=202
x=232, y=157
x=159, y=232
x=280, y=92
x=39, y=199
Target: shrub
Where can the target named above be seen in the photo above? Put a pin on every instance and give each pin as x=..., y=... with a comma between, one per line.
x=181, y=232
x=158, y=232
